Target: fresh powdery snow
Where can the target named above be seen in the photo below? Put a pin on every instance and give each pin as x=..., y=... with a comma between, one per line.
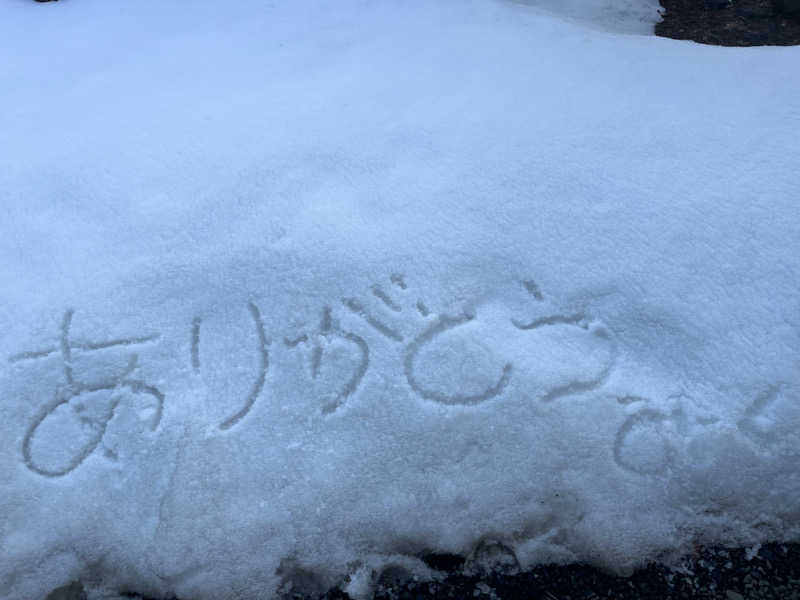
x=295, y=291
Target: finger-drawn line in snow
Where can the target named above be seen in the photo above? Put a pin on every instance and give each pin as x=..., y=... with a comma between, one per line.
x=263, y=357
x=112, y=343
x=75, y=389
x=385, y=298
x=651, y=421
x=263, y=364
x=399, y=280
x=293, y=343
x=588, y=385
x=196, y=323
x=577, y=319
x=432, y=326
x=32, y=355
x=442, y=325
x=328, y=331
x=45, y=352
x=754, y=423
x=422, y=309
x=533, y=289
x=355, y=307
x=662, y=432
x=625, y=400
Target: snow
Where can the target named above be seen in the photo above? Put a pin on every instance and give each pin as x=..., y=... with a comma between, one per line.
x=624, y=16
x=294, y=292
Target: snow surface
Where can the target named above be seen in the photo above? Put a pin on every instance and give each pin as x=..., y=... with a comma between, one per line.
x=296, y=291
x=628, y=16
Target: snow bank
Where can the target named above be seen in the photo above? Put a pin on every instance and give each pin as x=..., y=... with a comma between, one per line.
x=293, y=292
x=623, y=16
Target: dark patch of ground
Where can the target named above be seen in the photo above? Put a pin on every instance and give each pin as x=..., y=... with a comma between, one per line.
x=729, y=22
x=770, y=573
x=724, y=574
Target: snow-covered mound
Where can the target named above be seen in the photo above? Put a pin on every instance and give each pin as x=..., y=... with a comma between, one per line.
x=625, y=16
x=292, y=291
